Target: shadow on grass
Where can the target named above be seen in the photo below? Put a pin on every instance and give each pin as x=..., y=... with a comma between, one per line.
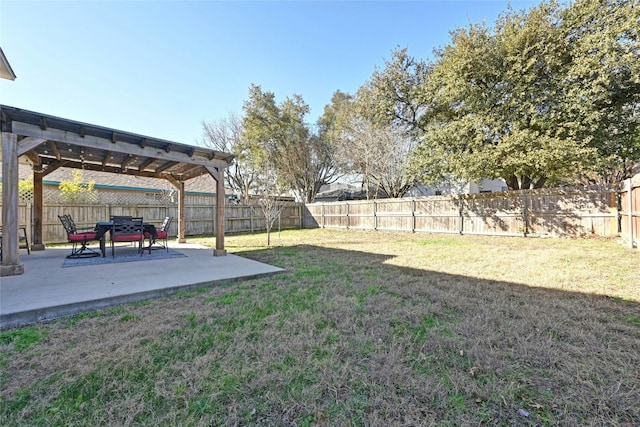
x=499, y=350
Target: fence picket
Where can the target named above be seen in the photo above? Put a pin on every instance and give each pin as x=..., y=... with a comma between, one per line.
x=547, y=212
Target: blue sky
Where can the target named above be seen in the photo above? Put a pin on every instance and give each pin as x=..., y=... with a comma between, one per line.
x=159, y=68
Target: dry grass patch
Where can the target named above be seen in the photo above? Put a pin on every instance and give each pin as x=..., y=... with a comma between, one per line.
x=363, y=328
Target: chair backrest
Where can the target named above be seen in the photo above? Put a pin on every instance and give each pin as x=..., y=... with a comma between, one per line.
x=127, y=227
x=120, y=218
x=166, y=223
x=68, y=224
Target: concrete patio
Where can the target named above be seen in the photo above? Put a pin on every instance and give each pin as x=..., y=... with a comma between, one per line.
x=46, y=290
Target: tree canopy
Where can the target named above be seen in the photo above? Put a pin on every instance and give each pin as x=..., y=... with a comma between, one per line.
x=547, y=96
x=227, y=134
x=536, y=100
x=278, y=134
x=603, y=82
x=496, y=100
x=375, y=131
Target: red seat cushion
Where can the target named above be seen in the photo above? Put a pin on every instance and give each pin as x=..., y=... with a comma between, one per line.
x=162, y=234
x=81, y=237
x=127, y=237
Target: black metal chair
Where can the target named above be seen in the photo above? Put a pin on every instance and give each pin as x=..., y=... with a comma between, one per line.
x=21, y=239
x=127, y=231
x=78, y=237
x=162, y=234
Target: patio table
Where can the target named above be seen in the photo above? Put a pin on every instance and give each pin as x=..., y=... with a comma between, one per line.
x=103, y=226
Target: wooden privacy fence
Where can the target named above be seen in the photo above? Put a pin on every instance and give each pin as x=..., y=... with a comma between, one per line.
x=199, y=219
x=630, y=212
x=547, y=212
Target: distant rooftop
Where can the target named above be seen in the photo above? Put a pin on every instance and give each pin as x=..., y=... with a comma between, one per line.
x=203, y=184
x=6, y=72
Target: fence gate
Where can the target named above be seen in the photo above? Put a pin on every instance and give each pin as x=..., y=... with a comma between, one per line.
x=630, y=212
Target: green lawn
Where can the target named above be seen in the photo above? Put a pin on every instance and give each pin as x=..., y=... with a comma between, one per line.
x=362, y=329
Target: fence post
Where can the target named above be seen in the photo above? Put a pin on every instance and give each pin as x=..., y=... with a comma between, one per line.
x=460, y=214
x=413, y=215
x=29, y=223
x=630, y=210
x=613, y=208
x=525, y=219
x=375, y=215
x=301, y=215
x=322, y=215
x=348, y=221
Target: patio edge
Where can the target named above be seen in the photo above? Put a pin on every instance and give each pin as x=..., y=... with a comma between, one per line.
x=45, y=314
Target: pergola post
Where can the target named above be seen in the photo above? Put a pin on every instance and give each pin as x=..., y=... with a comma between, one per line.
x=181, y=213
x=10, y=250
x=220, y=199
x=38, y=204
x=218, y=175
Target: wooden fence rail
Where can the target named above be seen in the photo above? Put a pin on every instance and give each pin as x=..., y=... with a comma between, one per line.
x=550, y=212
x=199, y=219
x=547, y=212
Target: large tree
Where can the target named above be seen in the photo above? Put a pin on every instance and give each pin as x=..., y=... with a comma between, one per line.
x=227, y=135
x=330, y=128
x=379, y=125
x=499, y=109
x=378, y=154
x=277, y=134
x=603, y=82
x=394, y=95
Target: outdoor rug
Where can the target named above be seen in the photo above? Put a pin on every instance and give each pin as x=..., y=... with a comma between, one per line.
x=123, y=254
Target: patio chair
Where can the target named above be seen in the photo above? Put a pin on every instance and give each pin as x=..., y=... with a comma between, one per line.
x=78, y=237
x=162, y=234
x=127, y=231
x=113, y=218
x=23, y=241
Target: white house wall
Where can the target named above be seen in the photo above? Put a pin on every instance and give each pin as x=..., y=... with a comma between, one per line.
x=448, y=189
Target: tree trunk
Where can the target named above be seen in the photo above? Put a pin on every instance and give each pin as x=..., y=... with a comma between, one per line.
x=512, y=182
x=540, y=183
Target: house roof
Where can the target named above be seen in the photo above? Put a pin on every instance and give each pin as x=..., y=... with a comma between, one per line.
x=53, y=142
x=341, y=191
x=6, y=72
x=204, y=184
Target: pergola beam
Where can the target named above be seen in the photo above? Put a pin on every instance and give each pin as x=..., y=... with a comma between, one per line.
x=28, y=144
x=146, y=164
x=166, y=166
x=51, y=167
x=54, y=149
x=113, y=144
x=127, y=161
x=50, y=163
x=33, y=157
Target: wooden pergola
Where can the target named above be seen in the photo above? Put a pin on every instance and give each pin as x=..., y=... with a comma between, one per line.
x=48, y=143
